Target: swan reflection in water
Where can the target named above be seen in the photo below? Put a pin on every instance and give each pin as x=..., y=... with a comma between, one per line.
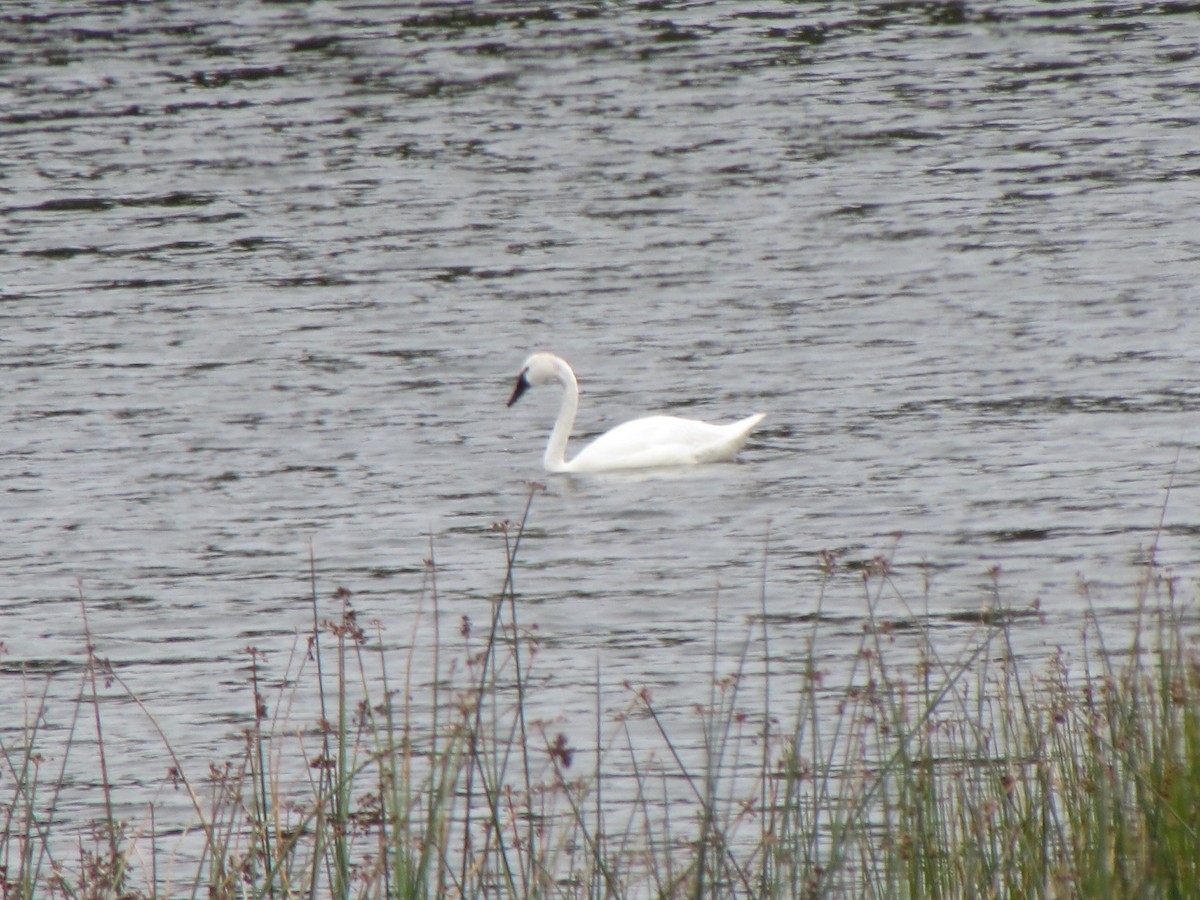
x=650, y=442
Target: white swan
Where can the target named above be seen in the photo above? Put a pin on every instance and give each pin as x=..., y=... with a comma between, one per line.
x=639, y=444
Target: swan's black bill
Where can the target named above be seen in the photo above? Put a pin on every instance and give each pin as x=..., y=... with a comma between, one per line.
x=522, y=387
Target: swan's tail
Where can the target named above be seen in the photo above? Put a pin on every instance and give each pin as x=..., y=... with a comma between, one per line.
x=746, y=425
x=737, y=433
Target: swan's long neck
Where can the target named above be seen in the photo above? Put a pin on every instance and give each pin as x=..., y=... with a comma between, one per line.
x=556, y=450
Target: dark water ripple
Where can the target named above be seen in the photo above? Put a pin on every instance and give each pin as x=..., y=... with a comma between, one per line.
x=266, y=271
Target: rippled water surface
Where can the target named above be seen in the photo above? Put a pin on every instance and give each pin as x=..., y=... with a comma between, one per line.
x=267, y=272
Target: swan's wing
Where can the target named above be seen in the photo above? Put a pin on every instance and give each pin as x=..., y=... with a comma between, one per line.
x=652, y=431
x=664, y=441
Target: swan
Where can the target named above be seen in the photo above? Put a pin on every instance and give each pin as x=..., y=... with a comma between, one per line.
x=638, y=444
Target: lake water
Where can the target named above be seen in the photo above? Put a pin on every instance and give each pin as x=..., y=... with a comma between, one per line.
x=267, y=272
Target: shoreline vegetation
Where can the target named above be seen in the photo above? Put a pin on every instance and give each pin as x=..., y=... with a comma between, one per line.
x=950, y=773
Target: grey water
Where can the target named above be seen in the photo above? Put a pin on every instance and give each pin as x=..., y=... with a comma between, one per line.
x=267, y=271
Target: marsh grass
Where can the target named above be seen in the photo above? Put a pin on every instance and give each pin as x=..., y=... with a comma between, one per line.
x=935, y=766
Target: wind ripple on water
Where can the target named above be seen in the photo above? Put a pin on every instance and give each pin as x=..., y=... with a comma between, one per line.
x=266, y=272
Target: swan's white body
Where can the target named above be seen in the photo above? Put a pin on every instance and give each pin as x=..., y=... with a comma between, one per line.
x=639, y=444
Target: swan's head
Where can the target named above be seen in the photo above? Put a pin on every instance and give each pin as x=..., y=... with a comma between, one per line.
x=541, y=368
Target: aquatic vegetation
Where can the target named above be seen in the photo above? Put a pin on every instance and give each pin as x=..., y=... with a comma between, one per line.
x=947, y=771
